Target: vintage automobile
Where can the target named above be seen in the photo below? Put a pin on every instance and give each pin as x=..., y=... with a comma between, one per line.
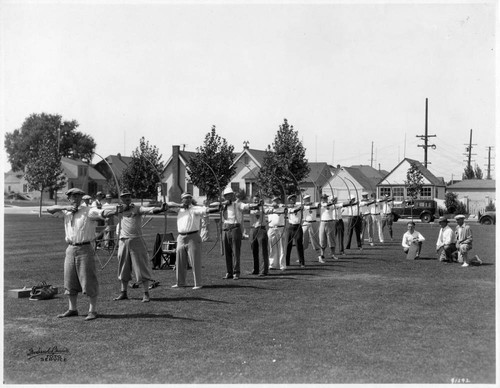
x=488, y=218
x=424, y=209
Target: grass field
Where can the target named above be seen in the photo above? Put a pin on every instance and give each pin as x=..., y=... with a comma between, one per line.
x=370, y=317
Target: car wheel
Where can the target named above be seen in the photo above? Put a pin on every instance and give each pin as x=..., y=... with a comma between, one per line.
x=425, y=218
x=486, y=221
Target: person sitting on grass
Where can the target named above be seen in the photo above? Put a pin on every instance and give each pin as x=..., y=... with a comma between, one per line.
x=412, y=237
x=79, y=263
x=445, y=245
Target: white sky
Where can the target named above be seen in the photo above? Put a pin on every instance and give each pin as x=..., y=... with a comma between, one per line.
x=343, y=74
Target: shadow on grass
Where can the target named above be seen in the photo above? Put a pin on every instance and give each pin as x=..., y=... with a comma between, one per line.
x=143, y=315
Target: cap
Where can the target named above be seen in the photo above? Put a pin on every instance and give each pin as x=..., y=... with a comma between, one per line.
x=86, y=196
x=291, y=196
x=125, y=193
x=442, y=219
x=353, y=196
x=364, y=194
x=108, y=196
x=99, y=193
x=186, y=195
x=228, y=190
x=307, y=196
x=74, y=191
x=459, y=216
x=324, y=195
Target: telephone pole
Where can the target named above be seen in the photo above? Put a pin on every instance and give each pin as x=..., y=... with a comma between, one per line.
x=371, y=158
x=488, y=175
x=425, y=138
x=469, y=151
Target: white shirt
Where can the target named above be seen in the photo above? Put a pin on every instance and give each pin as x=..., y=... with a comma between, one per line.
x=131, y=221
x=80, y=227
x=274, y=218
x=409, y=238
x=445, y=237
x=386, y=207
x=188, y=219
x=233, y=213
x=310, y=214
x=325, y=212
x=295, y=218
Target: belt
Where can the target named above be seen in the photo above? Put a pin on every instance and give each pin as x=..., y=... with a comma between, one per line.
x=277, y=226
x=185, y=234
x=294, y=225
x=326, y=220
x=375, y=214
x=309, y=221
x=228, y=227
x=259, y=227
x=79, y=244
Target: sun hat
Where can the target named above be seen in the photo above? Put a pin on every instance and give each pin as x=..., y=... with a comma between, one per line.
x=75, y=191
x=228, y=190
x=442, y=219
x=186, y=195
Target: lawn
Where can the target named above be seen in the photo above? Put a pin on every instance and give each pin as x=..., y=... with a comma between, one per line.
x=370, y=317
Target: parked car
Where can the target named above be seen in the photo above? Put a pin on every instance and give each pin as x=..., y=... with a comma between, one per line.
x=488, y=218
x=424, y=209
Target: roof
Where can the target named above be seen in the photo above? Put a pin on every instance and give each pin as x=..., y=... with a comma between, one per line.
x=256, y=155
x=73, y=174
x=367, y=176
x=484, y=184
x=424, y=171
x=118, y=163
x=319, y=174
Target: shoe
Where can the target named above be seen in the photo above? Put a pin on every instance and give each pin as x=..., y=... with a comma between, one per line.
x=262, y=274
x=122, y=296
x=197, y=287
x=320, y=259
x=465, y=265
x=272, y=268
x=145, y=298
x=297, y=261
x=69, y=313
x=254, y=273
x=228, y=276
x=334, y=257
x=92, y=315
x=154, y=284
x=478, y=260
x=176, y=286
x=372, y=244
x=342, y=253
x=235, y=277
x=360, y=248
x=302, y=266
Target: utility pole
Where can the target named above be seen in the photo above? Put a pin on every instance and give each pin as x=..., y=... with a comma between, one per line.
x=469, y=151
x=426, y=137
x=371, y=158
x=488, y=175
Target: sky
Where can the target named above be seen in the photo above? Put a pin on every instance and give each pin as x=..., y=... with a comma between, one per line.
x=351, y=78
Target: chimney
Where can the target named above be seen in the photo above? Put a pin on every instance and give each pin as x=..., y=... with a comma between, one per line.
x=175, y=191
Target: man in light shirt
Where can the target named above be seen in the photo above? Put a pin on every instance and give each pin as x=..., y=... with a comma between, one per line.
x=445, y=244
x=365, y=207
x=386, y=213
x=310, y=226
x=276, y=214
x=376, y=218
x=294, y=230
x=79, y=263
x=463, y=236
x=188, y=240
x=412, y=237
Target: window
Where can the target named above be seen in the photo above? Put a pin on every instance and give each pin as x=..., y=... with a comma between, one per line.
x=235, y=186
x=426, y=192
x=189, y=188
x=246, y=160
x=385, y=191
x=398, y=193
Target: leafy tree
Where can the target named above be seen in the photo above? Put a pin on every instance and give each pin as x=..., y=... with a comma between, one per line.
x=414, y=181
x=450, y=201
x=143, y=173
x=44, y=170
x=22, y=144
x=285, y=165
x=211, y=169
x=468, y=172
x=478, y=172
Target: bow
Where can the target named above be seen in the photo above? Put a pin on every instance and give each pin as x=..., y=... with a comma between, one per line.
x=261, y=197
x=115, y=244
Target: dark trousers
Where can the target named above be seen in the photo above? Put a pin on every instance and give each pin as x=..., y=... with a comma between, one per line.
x=339, y=234
x=232, y=248
x=259, y=240
x=355, y=224
x=296, y=234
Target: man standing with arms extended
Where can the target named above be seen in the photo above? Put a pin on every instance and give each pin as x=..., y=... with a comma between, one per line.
x=276, y=234
x=294, y=231
x=259, y=239
x=354, y=223
x=386, y=213
x=310, y=226
x=132, y=250
x=79, y=263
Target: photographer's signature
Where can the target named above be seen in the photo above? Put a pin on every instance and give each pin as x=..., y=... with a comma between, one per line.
x=52, y=353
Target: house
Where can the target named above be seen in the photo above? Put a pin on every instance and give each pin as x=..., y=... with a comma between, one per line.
x=247, y=163
x=113, y=164
x=353, y=181
x=317, y=179
x=393, y=183
x=175, y=179
x=476, y=194
x=77, y=173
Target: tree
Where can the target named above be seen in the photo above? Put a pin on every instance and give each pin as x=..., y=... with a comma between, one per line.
x=22, y=144
x=143, y=174
x=414, y=181
x=468, y=172
x=478, y=172
x=450, y=201
x=44, y=170
x=285, y=165
x=211, y=169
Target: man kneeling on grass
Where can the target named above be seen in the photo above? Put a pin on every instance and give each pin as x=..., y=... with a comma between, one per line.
x=412, y=237
x=79, y=264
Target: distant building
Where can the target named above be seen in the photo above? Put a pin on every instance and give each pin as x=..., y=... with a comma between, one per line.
x=113, y=164
x=476, y=194
x=353, y=181
x=394, y=185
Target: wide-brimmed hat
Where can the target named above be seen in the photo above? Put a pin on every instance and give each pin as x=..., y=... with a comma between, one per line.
x=109, y=196
x=460, y=216
x=442, y=219
x=186, y=195
x=75, y=191
x=291, y=196
x=86, y=196
x=307, y=196
x=99, y=194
